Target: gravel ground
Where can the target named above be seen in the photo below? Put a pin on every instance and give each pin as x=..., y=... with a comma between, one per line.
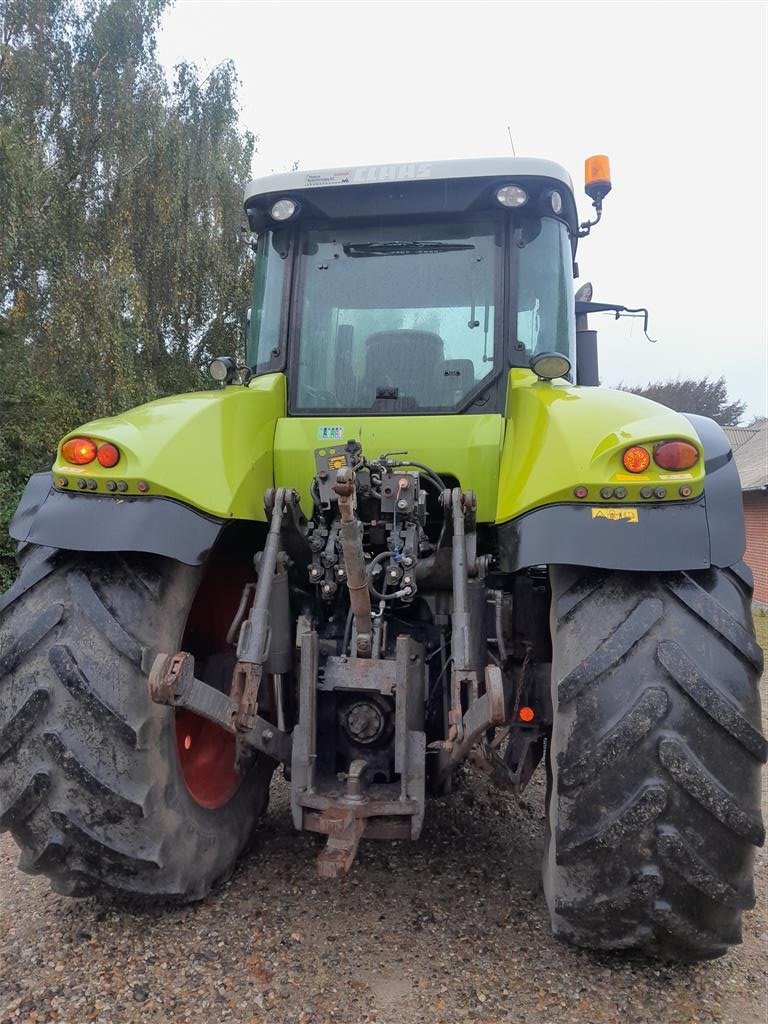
x=452, y=928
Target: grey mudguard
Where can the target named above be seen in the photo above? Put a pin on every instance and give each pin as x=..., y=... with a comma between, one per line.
x=667, y=536
x=722, y=493
x=672, y=536
x=99, y=522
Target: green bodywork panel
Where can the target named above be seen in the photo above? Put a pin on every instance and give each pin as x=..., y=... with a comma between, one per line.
x=218, y=451
x=209, y=449
x=559, y=436
x=466, y=447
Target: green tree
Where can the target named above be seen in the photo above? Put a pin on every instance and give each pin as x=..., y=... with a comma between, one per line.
x=705, y=397
x=121, y=268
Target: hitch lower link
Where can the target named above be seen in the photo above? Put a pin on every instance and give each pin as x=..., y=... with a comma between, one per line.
x=172, y=681
x=172, y=678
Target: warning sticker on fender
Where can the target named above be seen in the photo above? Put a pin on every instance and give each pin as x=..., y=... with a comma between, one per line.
x=629, y=515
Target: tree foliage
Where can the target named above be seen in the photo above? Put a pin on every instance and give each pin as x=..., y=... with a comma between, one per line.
x=705, y=397
x=121, y=269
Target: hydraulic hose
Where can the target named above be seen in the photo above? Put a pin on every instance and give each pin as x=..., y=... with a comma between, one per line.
x=382, y=556
x=430, y=473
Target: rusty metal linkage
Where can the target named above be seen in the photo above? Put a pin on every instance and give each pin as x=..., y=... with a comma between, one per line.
x=244, y=693
x=351, y=536
x=464, y=671
x=344, y=833
x=355, y=807
x=172, y=681
x=484, y=713
x=255, y=633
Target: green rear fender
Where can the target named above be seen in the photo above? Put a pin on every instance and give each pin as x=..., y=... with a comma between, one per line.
x=559, y=437
x=212, y=450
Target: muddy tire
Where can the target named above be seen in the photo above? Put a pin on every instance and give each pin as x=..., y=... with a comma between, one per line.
x=93, y=782
x=654, y=813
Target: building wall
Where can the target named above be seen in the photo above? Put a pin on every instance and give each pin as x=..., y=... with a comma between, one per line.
x=756, y=522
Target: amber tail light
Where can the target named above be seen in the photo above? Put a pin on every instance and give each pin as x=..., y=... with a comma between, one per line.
x=79, y=451
x=636, y=459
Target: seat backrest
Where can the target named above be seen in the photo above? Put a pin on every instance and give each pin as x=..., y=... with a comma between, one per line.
x=409, y=360
x=459, y=374
x=457, y=380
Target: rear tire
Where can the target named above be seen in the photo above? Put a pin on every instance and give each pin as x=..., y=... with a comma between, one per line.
x=91, y=781
x=654, y=813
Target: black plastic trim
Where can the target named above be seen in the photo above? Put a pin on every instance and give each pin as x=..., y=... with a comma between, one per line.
x=277, y=364
x=99, y=522
x=665, y=537
x=722, y=490
x=443, y=197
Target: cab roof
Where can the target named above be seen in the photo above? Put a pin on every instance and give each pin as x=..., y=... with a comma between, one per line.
x=437, y=170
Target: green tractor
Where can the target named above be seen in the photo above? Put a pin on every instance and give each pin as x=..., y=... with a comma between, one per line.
x=410, y=532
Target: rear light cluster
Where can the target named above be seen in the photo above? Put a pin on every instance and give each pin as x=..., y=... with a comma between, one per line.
x=671, y=455
x=675, y=456
x=80, y=451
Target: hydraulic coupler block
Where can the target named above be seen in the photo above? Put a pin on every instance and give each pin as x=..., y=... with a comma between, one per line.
x=399, y=492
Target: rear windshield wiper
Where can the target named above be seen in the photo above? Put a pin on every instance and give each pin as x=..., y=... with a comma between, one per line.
x=360, y=249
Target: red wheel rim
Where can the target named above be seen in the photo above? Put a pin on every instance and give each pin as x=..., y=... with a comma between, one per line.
x=206, y=752
x=207, y=759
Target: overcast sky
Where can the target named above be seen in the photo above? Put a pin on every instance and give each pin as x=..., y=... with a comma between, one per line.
x=674, y=93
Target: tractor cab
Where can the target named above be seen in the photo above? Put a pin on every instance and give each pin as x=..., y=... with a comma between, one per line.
x=410, y=289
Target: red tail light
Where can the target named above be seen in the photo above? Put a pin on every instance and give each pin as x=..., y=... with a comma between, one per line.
x=79, y=451
x=675, y=455
x=108, y=455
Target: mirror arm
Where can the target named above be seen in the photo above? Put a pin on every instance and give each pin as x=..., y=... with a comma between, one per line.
x=587, y=226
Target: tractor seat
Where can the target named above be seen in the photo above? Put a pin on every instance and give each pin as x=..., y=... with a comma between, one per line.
x=409, y=360
x=457, y=381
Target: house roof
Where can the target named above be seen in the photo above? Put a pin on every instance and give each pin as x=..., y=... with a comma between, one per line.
x=737, y=436
x=750, y=450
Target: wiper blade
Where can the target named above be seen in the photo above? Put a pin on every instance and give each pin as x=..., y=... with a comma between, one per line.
x=356, y=250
